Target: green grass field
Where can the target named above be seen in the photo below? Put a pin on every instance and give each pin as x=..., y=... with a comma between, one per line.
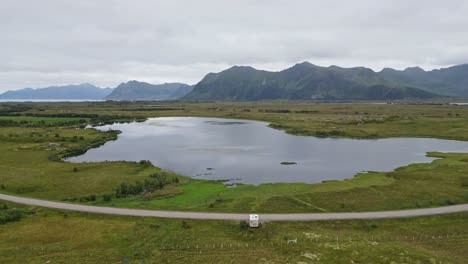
x=63, y=237
x=30, y=152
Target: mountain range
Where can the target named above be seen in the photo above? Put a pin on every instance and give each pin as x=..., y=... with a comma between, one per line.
x=303, y=81
x=452, y=81
x=72, y=92
x=129, y=91
x=141, y=91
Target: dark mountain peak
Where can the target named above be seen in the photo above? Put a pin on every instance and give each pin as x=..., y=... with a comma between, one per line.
x=134, y=82
x=301, y=68
x=136, y=90
x=416, y=69
x=335, y=67
x=237, y=68
x=304, y=65
x=388, y=70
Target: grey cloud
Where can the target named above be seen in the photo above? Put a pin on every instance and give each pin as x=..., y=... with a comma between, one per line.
x=105, y=42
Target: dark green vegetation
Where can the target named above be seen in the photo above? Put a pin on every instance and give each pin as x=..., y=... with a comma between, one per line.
x=303, y=81
x=9, y=214
x=81, y=91
x=155, y=182
x=44, y=235
x=41, y=134
x=142, y=91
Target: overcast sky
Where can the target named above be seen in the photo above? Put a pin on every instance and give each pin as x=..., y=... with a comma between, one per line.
x=105, y=42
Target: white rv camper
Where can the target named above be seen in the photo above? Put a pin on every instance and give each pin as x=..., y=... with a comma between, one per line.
x=253, y=220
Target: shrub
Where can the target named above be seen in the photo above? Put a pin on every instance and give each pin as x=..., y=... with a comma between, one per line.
x=155, y=181
x=10, y=215
x=447, y=201
x=243, y=225
x=107, y=197
x=370, y=226
x=185, y=225
x=145, y=163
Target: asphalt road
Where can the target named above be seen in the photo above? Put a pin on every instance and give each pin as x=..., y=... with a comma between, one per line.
x=227, y=216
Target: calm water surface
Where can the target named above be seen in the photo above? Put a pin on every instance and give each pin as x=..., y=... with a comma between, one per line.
x=251, y=152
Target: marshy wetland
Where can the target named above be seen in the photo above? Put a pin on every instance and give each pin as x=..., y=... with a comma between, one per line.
x=33, y=167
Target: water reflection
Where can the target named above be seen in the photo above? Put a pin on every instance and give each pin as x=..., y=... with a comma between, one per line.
x=251, y=152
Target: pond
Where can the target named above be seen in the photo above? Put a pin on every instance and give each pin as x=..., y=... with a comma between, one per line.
x=244, y=151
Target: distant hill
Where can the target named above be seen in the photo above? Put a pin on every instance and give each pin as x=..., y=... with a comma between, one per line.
x=134, y=90
x=452, y=81
x=72, y=92
x=303, y=81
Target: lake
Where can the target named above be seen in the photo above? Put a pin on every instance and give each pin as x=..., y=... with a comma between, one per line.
x=244, y=151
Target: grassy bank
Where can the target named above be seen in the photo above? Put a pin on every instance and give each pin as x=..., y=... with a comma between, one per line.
x=62, y=237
